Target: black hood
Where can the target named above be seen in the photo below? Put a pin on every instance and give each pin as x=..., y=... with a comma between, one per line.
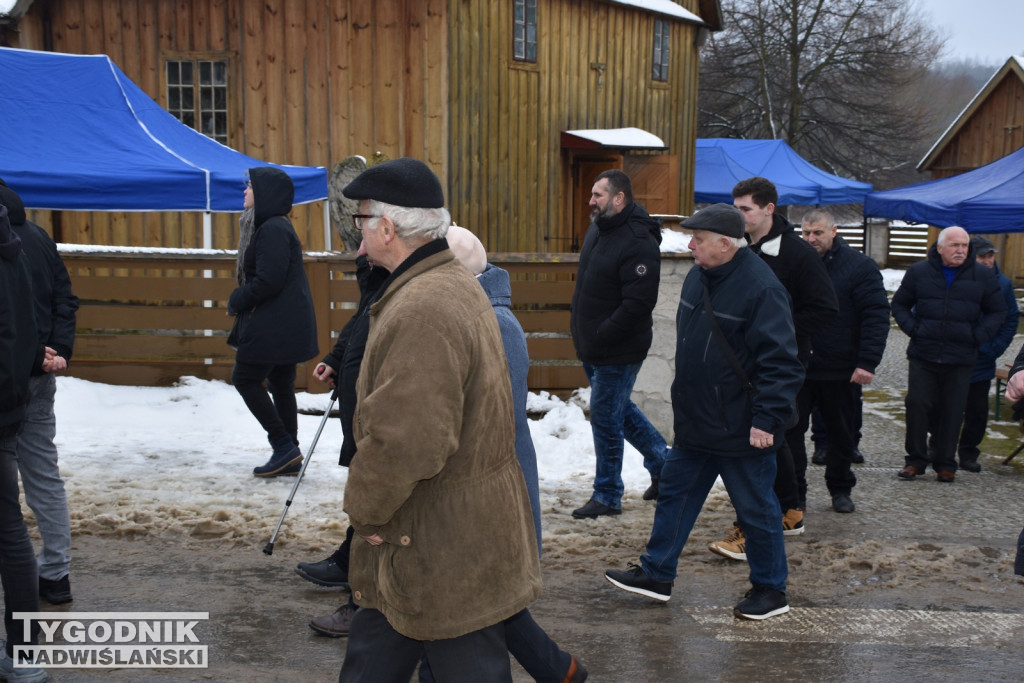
x=10, y=243
x=15, y=207
x=273, y=193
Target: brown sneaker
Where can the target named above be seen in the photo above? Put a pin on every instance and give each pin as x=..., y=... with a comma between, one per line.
x=334, y=625
x=793, y=522
x=910, y=472
x=733, y=546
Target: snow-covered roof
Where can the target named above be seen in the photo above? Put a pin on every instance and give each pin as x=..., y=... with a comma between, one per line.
x=628, y=138
x=666, y=7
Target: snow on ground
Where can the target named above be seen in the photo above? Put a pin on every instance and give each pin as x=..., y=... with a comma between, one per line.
x=178, y=460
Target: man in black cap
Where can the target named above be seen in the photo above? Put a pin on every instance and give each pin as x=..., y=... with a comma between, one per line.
x=737, y=376
x=445, y=547
x=976, y=408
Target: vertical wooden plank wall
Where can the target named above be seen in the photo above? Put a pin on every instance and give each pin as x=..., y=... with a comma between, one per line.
x=314, y=81
x=310, y=84
x=506, y=180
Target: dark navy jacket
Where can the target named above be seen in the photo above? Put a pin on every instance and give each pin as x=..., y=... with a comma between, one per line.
x=277, y=324
x=946, y=325
x=989, y=352
x=712, y=409
x=617, y=288
x=856, y=337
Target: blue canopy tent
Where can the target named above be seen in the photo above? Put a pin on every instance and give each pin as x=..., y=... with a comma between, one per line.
x=723, y=162
x=80, y=135
x=989, y=199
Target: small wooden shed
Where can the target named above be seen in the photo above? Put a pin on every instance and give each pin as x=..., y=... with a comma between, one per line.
x=989, y=128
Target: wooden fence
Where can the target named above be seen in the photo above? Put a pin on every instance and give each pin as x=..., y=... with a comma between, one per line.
x=149, y=317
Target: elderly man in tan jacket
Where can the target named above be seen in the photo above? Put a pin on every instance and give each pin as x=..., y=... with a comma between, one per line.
x=435, y=489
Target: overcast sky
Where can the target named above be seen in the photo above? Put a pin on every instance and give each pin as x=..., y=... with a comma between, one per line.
x=988, y=31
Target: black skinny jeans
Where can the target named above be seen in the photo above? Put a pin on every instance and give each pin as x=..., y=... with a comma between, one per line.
x=278, y=417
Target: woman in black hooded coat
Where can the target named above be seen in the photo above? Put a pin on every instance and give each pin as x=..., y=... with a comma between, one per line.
x=276, y=326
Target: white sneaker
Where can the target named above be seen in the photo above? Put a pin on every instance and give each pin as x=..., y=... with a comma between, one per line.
x=30, y=674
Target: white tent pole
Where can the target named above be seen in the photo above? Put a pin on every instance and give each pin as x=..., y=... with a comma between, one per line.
x=207, y=230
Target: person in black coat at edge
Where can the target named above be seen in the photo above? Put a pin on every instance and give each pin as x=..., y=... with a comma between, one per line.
x=275, y=326
x=1015, y=393
x=342, y=365
x=813, y=301
x=21, y=354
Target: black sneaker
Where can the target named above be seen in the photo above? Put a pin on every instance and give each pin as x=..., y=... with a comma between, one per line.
x=323, y=573
x=970, y=465
x=652, y=491
x=819, y=456
x=841, y=502
x=635, y=581
x=55, y=591
x=593, y=510
x=858, y=457
x=761, y=602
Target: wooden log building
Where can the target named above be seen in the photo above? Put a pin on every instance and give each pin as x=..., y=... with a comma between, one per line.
x=484, y=91
x=988, y=129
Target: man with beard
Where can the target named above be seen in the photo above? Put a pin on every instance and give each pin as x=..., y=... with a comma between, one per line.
x=612, y=330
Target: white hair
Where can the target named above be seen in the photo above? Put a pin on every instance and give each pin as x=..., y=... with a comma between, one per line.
x=738, y=242
x=944, y=231
x=413, y=223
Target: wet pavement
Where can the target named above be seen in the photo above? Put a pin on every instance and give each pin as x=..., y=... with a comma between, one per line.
x=916, y=585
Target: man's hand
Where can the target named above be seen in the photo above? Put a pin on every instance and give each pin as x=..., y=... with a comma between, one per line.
x=374, y=540
x=759, y=439
x=53, y=362
x=1015, y=387
x=861, y=376
x=324, y=373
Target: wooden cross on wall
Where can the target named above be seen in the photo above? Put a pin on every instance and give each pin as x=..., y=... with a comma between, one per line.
x=599, y=67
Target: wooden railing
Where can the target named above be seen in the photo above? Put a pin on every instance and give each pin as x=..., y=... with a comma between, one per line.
x=149, y=317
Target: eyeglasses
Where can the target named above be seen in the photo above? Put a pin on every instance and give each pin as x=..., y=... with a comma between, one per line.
x=358, y=219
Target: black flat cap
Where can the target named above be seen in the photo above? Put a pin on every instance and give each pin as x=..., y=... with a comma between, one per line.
x=983, y=245
x=401, y=182
x=725, y=219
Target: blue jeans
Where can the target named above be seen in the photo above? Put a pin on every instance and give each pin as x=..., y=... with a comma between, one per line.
x=685, y=482
x=40, y=475
x=17, y=559
x=614, y=418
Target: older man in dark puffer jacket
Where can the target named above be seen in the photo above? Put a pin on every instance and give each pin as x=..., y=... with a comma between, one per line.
x=949, y=305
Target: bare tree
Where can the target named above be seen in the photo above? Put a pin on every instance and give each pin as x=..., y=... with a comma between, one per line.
x=839, y=80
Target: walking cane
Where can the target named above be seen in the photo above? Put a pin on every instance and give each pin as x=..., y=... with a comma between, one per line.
x=268, y=549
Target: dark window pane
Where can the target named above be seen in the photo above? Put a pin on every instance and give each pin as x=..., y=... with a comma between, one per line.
x=188, y=118
x=186, y=73
x=205, y=99
x=205, y=73
x=220, y=73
